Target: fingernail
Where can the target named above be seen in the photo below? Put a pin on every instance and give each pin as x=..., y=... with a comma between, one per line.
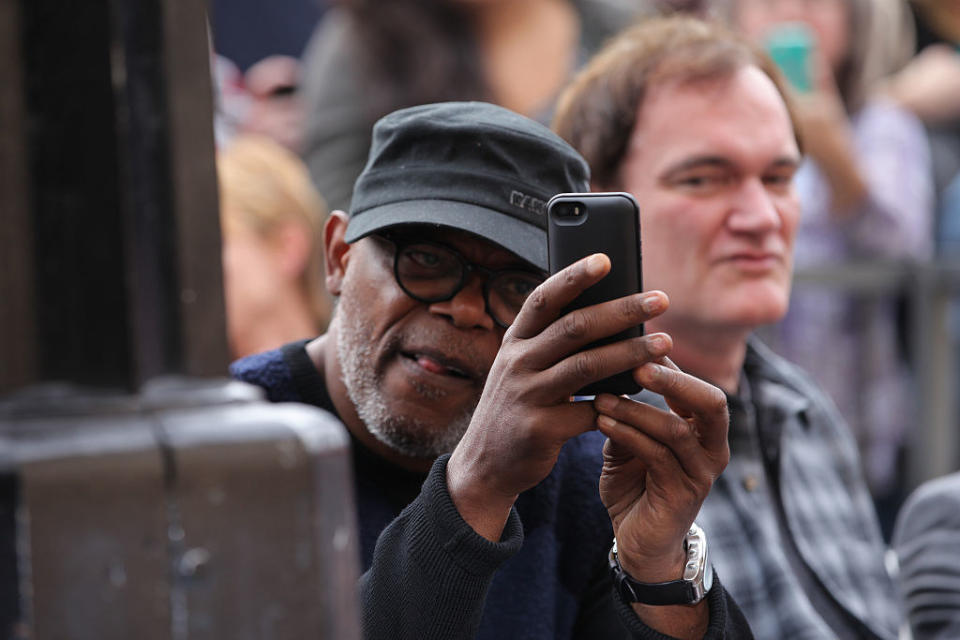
x=658, y=342
x=605, y=402
x=651, y=303
x=651, y=371
x=606, y=421
x=596, y=264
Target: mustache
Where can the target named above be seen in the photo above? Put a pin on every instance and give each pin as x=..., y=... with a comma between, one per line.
x=454, y=347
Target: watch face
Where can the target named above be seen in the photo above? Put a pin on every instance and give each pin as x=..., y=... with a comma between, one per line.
x=707, y=577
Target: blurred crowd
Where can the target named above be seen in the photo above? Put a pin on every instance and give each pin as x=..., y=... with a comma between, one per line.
x=877, y=96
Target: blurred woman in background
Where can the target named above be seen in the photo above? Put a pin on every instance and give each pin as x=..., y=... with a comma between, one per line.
x=930, y=87
x=368, y=58
x=866, y=194
x=272, y=220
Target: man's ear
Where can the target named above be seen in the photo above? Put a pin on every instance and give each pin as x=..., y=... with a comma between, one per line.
x=336, y=251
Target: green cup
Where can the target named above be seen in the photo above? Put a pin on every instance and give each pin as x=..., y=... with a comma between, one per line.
x=789, y=45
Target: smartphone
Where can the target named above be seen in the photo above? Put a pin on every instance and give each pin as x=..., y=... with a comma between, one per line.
x=581, y=224
x=789, y=45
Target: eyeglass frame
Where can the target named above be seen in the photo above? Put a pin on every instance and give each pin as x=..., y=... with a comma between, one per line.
x=466, y=268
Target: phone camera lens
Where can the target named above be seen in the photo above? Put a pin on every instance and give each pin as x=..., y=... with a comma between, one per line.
x=571, y=209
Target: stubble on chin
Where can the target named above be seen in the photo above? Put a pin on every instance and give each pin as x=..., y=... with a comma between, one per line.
x=404, y=434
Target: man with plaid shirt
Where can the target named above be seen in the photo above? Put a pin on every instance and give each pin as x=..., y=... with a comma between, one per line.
x=696, y=124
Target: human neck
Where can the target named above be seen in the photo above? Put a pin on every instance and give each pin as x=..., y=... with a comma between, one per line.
x=323, y=354
x=714, y=354
x=529, y=49
x=286, y=320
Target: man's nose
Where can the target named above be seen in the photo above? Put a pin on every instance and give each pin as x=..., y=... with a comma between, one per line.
x=467, y=309
x=754, y=209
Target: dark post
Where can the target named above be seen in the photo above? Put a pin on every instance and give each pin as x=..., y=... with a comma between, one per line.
x=18, y=358
x=110, y=191
x=138, y=496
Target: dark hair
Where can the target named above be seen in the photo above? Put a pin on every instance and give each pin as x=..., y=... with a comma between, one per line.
x=850, y=78
x=417, y=51
x=598, y=111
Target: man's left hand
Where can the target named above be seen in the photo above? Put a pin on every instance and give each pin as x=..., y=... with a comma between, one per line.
x=658, y=468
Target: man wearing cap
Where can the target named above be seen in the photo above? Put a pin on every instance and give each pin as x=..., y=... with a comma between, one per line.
x=695, y=124
x=451, y=365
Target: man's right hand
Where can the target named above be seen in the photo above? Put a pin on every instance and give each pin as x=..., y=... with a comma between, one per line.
x=524, y=415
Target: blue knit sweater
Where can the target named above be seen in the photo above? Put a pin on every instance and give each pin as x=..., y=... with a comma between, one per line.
x=428, y=574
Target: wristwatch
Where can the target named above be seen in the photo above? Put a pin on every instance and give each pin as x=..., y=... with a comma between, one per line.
x=690, y=589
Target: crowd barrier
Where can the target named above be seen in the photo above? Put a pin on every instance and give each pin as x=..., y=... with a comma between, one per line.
x=930, y=290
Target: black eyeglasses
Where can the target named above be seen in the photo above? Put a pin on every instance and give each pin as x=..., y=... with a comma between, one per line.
x=433, y=272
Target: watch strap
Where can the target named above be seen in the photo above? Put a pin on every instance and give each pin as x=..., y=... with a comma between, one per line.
x=690, y=589
x=661, y=593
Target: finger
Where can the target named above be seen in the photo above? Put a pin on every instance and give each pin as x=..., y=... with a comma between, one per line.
x=628, y=441
x=582, y=327
x=623, y=478
x=615, y=453
x=677, y=408
x=548, y=300
x=578, y=417
x=584, y=367
x=553, y=425
x=692, y=398
x=667, y=429
x=665, y=475
x=667, y=362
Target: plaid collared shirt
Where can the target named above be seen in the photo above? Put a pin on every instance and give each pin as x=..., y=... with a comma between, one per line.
x=794, y=468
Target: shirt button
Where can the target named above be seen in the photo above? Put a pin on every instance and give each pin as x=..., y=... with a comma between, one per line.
x=751, y=482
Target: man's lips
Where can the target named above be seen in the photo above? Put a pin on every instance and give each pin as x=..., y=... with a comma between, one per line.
x=440, y=364
x=754, y=259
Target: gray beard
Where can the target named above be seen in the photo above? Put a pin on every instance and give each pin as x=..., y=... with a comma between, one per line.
x=403, y=434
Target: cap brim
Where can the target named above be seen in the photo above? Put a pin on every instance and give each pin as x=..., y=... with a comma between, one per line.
x=523, y=239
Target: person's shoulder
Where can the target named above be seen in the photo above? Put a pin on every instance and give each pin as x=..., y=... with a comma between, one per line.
x=331, y=48
x=884, y=119
x=774, y=367
x=795, y=391
x=335, y=23
x=938, y=495
x=257, y=366
x=928, y=521
x=268, y=370
x=884, y=109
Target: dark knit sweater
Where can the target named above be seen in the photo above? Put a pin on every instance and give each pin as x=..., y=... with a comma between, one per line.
x=429, y=575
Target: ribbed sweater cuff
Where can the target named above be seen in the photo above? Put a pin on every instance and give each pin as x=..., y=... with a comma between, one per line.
x=471, y=551
x=716, y=601
x=431, y=571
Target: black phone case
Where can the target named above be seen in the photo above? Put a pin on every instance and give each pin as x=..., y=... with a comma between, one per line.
x=609, y=224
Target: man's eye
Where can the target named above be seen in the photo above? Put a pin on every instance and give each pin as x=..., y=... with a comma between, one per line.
x=703, y=181
x=424, y=258
x=518, y=287
x=778, y=179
